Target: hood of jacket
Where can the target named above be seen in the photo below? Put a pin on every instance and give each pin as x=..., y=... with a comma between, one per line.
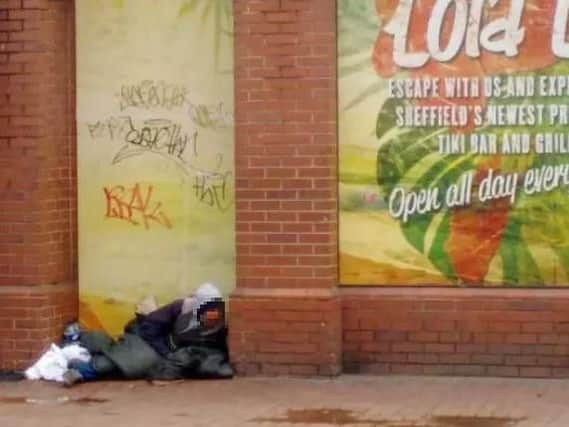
x=204, y=294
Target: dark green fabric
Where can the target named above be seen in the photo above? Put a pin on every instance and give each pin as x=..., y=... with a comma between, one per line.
x=104, y=367
x=96, y=342
x=131, y=354
x=136, y=359
x=192, y=362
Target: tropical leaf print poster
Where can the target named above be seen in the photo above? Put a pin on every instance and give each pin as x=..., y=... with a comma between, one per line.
x=454, y=143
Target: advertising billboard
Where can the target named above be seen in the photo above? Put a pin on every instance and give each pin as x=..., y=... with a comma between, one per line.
x=454, y=142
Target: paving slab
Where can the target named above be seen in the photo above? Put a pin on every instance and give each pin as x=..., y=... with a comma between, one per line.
x=285, y=402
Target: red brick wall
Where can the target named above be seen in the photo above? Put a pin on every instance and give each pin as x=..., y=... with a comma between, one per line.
x=285, y=314
x=37, y=176
x=31, y=318
x=477, y=332
x=285, y=332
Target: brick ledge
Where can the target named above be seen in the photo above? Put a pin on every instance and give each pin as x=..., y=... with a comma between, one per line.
x=442, y=293
x=261, y=293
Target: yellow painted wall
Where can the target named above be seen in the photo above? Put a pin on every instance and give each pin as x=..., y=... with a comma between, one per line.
x=155, y=152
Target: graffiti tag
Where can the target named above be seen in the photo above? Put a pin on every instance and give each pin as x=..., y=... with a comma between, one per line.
x=211, y=189
x=134, y=205
x=213, y=116
x=150, y=94
x=113, y=128
x=160, y=136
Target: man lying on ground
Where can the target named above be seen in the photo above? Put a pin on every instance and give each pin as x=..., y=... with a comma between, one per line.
x=184, y=339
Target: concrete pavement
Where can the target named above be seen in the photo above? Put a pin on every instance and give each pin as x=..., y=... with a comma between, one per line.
x=281, y=402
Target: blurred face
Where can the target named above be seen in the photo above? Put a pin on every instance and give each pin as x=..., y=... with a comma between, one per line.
x=211, y=317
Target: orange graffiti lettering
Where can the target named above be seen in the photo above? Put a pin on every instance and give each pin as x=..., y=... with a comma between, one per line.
x=135, y=205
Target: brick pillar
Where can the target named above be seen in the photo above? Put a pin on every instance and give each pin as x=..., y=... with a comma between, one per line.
x=37, y=176
x=285, y=315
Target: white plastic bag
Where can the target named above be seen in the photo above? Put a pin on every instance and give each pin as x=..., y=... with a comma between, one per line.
x=53, y=363
x=76, y=352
